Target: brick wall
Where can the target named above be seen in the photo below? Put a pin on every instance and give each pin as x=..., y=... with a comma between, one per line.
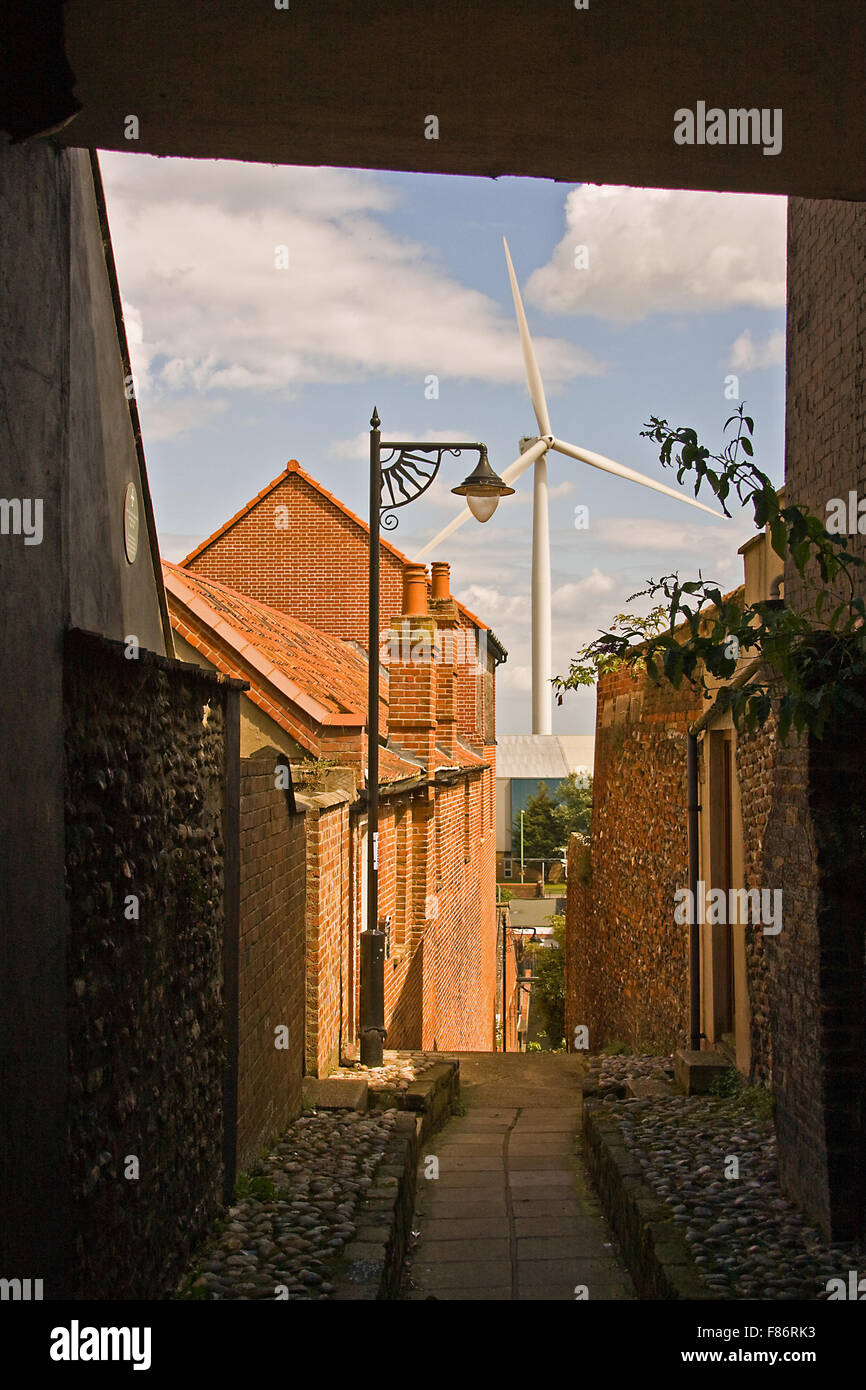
x=271, y=960
x=626, y=958
x=757, y=772
x=327, y=926
x=816, y=979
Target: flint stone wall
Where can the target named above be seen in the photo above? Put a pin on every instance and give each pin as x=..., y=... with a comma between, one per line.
x=144, y=780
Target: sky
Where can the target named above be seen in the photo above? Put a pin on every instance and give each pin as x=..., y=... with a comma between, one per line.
x=270, y=308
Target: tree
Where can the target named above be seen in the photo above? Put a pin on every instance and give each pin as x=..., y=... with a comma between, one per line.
x=811, y=661
x=547, y=824
x=574, y=805
x=541, y=831
x=548, y=988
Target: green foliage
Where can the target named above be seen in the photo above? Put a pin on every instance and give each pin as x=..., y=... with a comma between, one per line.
x=547, y=824
x=534, y=1047
x=814, y=658
x=540, y=837
x=590, y=662
x=732, y=1085
x=728, y=1084
x=261, y=1189
x=548, y=989
x=574, y=805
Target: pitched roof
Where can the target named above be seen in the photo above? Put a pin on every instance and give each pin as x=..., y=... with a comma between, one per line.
x=293, y=466
x=321, y=674
x=287, y=660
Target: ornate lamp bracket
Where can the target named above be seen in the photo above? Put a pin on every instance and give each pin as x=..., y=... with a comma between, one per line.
x=408, y=470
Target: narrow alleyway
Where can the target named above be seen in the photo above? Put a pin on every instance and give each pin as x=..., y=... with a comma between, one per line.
x=507, y=1211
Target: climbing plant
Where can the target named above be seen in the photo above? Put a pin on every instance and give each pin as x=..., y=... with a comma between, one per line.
x=813, y=657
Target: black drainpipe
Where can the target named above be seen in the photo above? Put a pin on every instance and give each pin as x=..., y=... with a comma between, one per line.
x=694, y=928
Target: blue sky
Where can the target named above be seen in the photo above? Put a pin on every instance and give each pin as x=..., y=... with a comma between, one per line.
x=391, y=278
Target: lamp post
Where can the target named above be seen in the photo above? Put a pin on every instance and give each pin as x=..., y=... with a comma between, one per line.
x=407, y=470
x=522, y=813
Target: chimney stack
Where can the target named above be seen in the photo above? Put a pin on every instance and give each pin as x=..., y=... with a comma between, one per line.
x=444, y=609
x=412, y=671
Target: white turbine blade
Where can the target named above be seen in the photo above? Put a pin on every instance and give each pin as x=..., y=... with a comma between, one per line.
x=533, y=375
x=619, y=469
x=513, y=471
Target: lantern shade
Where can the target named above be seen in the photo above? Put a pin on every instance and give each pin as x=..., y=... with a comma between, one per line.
x=483, y=489
x=482, y=508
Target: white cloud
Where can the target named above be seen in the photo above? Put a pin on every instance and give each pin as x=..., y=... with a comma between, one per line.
x=658, y=534
x=195, y=243
x=492, y=604
x=747, y=355
x=358, y=447
x=566, y=597
x=662, y=251
x=513, y=677
x=171, y=417
x=560, y=490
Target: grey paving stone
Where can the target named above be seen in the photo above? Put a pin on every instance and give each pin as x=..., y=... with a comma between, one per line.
x=435, y=1251
x=469, y=1163
x=550, y=1180
x=462, y=1274
x=550, y=1144
x=560, y=1247
x=470, y=1228
x=562, y=1205
x=577, y=1227
x=501, y=1293
x=469, y=1144
x=555, y=1294
x=456, y=1204
x=493, y=1179
x=547, y=1122
x=519, y=1163
x=566, y=1272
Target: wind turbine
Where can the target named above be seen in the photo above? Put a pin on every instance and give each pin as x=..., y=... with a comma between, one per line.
x=536, y=453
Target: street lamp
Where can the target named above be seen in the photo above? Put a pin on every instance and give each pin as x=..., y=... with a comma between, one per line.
x=408, y=470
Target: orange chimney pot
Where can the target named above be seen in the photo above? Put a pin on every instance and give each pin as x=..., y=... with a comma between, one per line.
x=415, y=591
x=441, y=579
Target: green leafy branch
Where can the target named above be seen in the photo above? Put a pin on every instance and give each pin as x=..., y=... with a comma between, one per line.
x=812, y=660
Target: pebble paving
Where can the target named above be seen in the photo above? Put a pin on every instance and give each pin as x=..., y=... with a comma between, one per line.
x=280, y=1241
x=746, y=1238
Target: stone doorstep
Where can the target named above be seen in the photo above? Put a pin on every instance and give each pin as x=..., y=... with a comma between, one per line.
x=695, y=1072
x=335, y=1093
x=651, y=1242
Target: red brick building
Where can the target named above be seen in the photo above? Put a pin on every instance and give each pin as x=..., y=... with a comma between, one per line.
x=292, y=625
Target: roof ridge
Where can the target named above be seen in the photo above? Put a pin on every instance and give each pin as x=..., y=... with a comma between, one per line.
x=293, y=466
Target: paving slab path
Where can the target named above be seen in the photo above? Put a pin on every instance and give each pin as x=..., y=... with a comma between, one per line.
x=506, y=1211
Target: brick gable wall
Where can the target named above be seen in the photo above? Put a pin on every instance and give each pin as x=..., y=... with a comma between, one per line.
x=314, y=564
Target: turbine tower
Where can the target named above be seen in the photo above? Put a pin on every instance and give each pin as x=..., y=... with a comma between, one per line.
x=534, y=452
